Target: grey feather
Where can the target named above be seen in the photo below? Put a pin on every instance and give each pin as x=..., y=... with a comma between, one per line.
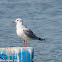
x=29, y=33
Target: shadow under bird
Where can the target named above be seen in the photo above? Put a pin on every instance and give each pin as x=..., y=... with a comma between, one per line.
x=24, y=32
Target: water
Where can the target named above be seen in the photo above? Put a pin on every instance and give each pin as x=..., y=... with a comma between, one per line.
x=44, y=17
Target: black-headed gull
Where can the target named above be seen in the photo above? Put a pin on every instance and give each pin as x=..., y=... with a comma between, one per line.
x=24, y=32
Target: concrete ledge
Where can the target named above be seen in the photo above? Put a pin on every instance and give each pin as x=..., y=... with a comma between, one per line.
x=16, y=54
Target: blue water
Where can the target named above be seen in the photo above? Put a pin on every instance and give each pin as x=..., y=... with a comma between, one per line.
x=44, y=17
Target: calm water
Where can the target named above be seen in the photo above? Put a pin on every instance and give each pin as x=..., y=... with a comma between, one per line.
x=44, y=17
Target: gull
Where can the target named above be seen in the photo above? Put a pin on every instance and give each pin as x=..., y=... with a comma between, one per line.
x=24, y=32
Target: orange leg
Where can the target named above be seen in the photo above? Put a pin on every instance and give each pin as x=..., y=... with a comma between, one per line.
x=24, y=43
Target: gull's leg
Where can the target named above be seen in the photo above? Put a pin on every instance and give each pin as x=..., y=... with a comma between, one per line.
x=24, y=43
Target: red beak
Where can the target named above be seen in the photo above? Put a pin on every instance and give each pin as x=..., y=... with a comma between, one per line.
x=14, y=22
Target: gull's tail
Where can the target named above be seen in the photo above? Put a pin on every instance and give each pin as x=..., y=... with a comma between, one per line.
x=40, y=38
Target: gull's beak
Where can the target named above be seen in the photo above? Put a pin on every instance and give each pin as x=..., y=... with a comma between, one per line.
x=14, y=22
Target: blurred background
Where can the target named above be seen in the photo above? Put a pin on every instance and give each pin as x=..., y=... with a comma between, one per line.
x=44, y=17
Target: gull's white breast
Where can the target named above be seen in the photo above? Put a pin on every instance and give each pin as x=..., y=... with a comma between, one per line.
x=21, y=34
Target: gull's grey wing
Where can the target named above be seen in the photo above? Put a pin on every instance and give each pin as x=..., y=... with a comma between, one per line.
x=29, y=33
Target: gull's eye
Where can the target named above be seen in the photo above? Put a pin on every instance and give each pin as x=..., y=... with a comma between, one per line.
x=17, y=20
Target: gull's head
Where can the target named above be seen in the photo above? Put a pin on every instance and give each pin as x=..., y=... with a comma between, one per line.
x=18, y=20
